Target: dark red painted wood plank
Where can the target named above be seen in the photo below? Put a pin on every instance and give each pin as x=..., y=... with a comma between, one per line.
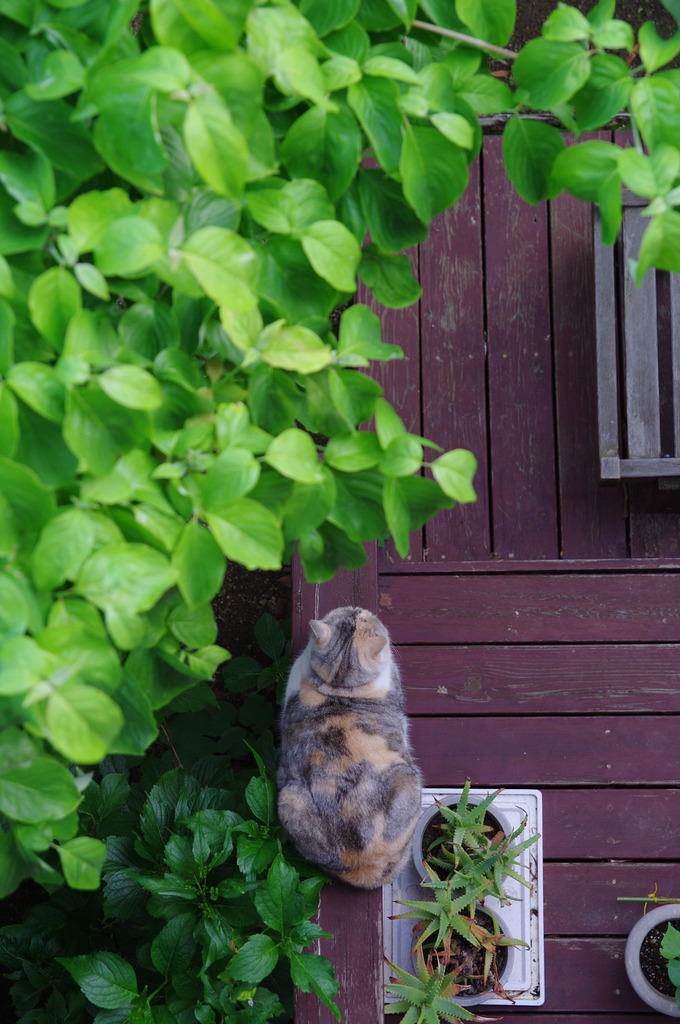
x=520, y=368
x=588, y=975
x=556, y=751
x=356, y=951
x=538, y=1017
x=312, y=600
x=581, y=898
x=528, y=609
x=614, y=566
x=540, y=679
x=591, y=516
x=652, y=534
x=401, y=381
x=454, y=365
x=584, y=976
x=625, y=824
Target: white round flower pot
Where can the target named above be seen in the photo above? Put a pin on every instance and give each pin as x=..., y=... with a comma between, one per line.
x=650, y=995
x=429, y=813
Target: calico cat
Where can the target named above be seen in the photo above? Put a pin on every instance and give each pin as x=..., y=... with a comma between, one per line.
x=349, y=790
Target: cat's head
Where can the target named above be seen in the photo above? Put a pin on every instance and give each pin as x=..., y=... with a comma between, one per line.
x=349, y=649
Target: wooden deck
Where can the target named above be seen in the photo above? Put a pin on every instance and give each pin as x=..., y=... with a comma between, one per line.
x=545, y=618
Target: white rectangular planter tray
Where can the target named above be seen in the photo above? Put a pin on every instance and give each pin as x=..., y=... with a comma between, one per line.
x=524, y=916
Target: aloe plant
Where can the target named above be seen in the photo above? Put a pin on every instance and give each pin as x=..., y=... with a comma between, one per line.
x=464, y=826
x=427, y=996
x=441, y=915
x=473, y=855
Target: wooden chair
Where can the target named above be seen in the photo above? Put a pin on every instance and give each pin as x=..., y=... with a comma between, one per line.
x=638, y=358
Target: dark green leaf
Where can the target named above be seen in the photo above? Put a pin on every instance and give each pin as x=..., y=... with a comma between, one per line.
x=550, y=73
x=374, y=101
x=491, y=20
x=358, y=507
x=173, y=948
x=199, y=564
x=605, y=93
x=47, y=126
x=530, y=149
x=311, y=972
x=255, y=960
x=104, y=978
x=97, y=429
x=433, y=171
x=126, y=134
x=327, y=548
x=325, y=146
x=392, y=223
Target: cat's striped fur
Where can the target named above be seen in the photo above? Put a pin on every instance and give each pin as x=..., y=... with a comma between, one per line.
x=349, y=791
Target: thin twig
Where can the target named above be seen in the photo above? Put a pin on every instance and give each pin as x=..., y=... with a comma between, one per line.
x=174, y=754
x=470, y=40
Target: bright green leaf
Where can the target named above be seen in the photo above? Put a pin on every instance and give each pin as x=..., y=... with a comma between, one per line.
x=218, y=150
x=132, y=387
x=38, y=791
x=454, y=472
x=199, y=564
x=249, y=534
x=127, y=247
x=127, y=577
x=54, y=297
x=294, y=455
x=82, y=860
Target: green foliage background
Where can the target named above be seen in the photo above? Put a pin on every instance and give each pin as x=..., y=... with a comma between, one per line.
x=185, y=197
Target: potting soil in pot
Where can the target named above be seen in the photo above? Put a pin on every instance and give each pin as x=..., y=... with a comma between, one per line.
x=470, y=960
x=654, y=965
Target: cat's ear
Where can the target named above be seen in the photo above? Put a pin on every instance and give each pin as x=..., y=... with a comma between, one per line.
x=321, y=630
x=375, y=645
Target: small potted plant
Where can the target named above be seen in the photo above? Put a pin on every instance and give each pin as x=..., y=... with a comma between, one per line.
x=464, y=857
x=653, y=954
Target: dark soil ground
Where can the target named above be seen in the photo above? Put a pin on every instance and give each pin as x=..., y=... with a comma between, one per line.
x=532, y=13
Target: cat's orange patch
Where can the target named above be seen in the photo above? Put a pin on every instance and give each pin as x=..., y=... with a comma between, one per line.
x=367, y=867
x=309, y=695
x=316, y=759
x=370, y=747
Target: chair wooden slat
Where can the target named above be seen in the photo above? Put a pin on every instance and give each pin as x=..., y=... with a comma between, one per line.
x=640, y=348
x=675, y=355
x=607, y=369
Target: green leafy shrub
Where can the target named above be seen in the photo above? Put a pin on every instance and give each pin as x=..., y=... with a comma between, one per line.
x=184, y=200
x=204, y=911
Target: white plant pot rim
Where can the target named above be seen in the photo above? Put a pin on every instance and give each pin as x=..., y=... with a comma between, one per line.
x=648, y=994
x=431, y=812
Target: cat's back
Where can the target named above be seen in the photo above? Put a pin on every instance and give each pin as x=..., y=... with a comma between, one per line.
x=349, y=791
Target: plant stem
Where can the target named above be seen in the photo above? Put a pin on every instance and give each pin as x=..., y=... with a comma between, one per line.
x=470, y=40
x=647, y=899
